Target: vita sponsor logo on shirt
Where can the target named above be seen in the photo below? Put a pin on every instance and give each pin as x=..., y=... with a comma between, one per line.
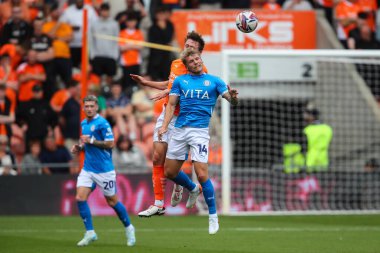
x=201, y=94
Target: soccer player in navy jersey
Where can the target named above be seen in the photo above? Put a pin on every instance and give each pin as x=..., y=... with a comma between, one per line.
x=196, y=93
x=97, y=141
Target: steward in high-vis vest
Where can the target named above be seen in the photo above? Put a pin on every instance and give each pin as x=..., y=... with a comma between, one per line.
x=318, y=136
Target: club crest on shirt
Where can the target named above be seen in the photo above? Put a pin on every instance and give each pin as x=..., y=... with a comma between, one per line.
x=92, y=128
x=206, y=83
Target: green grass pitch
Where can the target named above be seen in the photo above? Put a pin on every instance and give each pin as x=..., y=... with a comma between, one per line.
x=261, y=234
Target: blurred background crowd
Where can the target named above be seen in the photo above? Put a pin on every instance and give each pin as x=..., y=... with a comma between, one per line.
x=40, y=72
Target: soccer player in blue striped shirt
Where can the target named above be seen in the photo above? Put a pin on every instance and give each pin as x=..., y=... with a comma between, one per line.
x=196, y=93
x=97, y=141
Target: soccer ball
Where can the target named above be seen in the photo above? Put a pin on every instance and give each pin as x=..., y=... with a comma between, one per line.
x=246, y=21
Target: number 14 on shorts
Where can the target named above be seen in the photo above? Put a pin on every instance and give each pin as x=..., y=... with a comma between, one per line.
x=202, y=149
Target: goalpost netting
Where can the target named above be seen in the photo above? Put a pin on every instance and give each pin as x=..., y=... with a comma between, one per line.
x=263, y=136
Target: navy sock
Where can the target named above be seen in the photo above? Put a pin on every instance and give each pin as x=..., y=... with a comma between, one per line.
x=122, y=213
x=209, y=195
x=184, y=180
x=85, y=213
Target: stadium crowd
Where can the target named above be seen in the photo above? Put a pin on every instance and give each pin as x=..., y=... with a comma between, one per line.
x=40, y=72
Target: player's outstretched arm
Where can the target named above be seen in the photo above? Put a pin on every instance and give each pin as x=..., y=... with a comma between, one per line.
x=169, y=112
x=231, y=96
x=160, y=95
x=153, y=84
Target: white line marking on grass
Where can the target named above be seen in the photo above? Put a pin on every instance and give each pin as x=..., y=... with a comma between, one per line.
x=237, y=229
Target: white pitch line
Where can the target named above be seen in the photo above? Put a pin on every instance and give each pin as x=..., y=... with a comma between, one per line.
x=238, y=229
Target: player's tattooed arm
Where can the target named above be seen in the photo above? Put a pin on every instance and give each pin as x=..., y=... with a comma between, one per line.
x=231, y=96
x=98, y=143
x=103, y=144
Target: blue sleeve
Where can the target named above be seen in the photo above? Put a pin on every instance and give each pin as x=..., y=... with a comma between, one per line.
x=221, y=86
x=106, y=132
x=175, y=88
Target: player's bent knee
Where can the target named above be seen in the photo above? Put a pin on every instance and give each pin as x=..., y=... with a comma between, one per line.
x=112, y=200
x=202, y=178
x=158, y=158
x=170, y=174
x=79, y=198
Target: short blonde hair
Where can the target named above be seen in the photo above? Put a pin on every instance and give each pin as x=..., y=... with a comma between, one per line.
x=89, y=98
x=188, y=52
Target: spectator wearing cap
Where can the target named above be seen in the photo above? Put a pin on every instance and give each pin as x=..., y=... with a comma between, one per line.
x=31, y=74
x=61, y=33
x=7, y=112
x=318, y=138
x=35, y=116
x=104, y=53
x=130, y=59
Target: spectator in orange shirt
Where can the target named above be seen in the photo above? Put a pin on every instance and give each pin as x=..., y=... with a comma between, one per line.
x=271, y=5
x=59, y=99
x=131, y=53
x=7, y=74
x=61, y=34
x=15, y=53
x=346, y=15
x=30, y=74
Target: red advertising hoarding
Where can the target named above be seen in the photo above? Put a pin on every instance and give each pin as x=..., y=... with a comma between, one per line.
x=276, y=30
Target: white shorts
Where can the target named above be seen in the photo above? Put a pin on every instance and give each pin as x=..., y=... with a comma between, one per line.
x=165, y=137
x=195, y=140
x=106, y=181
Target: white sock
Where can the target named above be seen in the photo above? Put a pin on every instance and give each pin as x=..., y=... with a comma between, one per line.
x=213, y=216
x=90, y=231
x=159, y=203
x=129, y=228
x=178, y=187
x=196, y=188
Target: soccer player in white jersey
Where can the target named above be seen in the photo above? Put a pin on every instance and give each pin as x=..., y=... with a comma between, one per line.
x=97, y=141
x=196, y=93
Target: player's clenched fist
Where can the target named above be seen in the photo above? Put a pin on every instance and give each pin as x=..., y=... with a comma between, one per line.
x=76, y=148
x=161, y=132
